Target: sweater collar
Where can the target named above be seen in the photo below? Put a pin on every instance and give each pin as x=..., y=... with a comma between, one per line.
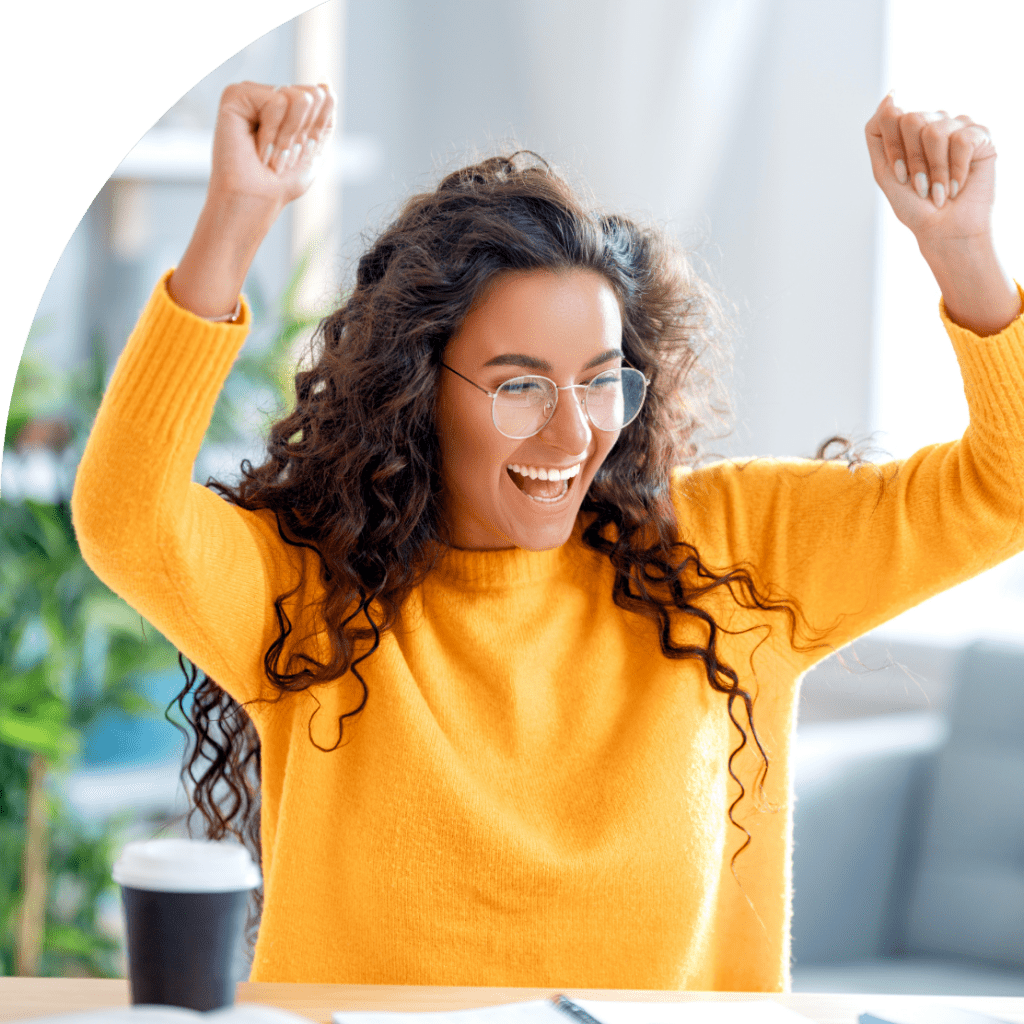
x=510, y=567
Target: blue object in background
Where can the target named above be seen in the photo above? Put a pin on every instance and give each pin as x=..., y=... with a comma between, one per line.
x=119, y=740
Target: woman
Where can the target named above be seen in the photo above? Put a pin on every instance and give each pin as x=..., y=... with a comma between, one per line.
x=512, y=730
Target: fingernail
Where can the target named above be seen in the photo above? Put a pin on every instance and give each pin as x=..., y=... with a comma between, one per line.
x=938, y=195
x=282, y=160
x=954, y=187
x=309, y=148
x=267, y=154
x=921, y=184
x=901, y=172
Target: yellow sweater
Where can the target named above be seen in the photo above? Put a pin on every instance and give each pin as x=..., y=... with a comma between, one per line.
x=533, y=795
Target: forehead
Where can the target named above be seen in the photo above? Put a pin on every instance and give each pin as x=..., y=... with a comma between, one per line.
x=562, y=317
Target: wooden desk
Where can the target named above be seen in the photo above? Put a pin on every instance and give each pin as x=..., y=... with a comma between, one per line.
x=40, y=997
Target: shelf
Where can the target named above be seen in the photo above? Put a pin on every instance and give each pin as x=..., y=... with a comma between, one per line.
x=182, y=156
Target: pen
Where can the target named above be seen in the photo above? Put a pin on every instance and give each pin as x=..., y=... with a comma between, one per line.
x=574, y=1010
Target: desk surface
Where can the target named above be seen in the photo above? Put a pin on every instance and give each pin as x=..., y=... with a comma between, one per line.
x=39, y=997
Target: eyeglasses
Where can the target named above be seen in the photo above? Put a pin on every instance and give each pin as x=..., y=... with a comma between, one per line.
x=523, y=406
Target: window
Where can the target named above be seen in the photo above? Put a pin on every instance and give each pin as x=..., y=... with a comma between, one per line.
x=940, y=58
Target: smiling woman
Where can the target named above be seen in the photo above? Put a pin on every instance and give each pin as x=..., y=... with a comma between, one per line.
x=561, y=321
x=546, y=688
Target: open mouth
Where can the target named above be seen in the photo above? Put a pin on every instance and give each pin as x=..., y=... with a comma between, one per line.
x=541, y=491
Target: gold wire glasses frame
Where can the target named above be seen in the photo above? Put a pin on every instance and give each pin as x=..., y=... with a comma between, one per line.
x=531, y=408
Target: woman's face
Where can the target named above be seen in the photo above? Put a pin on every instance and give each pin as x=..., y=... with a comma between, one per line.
x=565, y=326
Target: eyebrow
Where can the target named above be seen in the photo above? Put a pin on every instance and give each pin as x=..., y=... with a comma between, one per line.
x=533, y=363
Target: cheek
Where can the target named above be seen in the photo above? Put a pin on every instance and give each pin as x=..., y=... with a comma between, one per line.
x=468, y=440
x=606, y=443
x=450, y=429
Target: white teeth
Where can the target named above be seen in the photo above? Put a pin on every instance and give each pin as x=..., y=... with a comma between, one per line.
x=546, y=474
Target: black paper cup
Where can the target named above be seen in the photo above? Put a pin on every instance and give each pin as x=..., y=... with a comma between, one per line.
x=185, y=905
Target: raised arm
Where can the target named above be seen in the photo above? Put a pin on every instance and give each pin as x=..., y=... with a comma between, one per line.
x=938, y=173
x=203, y=571
x=263, y=158
x=857, y=547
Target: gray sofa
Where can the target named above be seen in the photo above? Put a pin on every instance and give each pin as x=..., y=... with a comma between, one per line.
x=909, y=842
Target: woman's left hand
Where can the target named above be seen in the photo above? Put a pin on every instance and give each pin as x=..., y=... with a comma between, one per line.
x=947, y=171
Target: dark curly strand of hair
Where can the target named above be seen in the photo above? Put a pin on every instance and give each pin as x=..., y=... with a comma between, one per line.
x=354, y=471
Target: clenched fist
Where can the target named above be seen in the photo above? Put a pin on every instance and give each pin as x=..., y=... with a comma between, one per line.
x=939, y=175
x=267, y=140
x=938, y=172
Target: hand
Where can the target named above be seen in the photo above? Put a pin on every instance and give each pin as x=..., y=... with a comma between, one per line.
x=264, y=155
x=267, y=140
x=945, y=150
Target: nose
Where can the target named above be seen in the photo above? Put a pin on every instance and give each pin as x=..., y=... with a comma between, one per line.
x=569, y=427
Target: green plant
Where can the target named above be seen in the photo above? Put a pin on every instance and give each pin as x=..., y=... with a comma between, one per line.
x=74, y=940
x=71, y=650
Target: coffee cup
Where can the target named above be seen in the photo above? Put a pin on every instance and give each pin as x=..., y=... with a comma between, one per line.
x=185, y=904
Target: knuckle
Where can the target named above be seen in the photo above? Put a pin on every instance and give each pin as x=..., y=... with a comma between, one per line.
x=912, y=118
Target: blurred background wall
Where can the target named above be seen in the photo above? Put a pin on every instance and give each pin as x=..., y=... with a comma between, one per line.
x=738, y=124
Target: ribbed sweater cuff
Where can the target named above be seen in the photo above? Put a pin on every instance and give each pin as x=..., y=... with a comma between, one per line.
x=173, y=368
x=993, y=370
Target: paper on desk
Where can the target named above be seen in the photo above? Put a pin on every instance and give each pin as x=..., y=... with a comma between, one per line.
x=740, y=1011
x=923, y=1013
x=541, y=1011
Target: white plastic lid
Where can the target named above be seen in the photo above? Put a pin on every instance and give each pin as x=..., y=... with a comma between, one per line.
x=186, y=865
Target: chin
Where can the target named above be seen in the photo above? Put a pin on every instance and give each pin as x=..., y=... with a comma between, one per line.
x=548, y=544
x=543, y=537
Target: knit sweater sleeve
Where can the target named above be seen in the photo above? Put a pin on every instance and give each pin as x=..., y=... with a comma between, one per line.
x=201, y=570
x=854, y=547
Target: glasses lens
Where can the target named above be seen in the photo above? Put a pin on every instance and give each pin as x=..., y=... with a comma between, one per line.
x=523, y=405
x=614, y=397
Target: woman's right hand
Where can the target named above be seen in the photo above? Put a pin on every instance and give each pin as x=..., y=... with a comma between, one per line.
x=265, y=148
x=267, y=140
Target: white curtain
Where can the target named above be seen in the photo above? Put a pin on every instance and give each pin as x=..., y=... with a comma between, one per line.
x=744, y=117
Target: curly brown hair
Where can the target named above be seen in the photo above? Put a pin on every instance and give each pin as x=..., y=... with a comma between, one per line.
x=354, y=471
